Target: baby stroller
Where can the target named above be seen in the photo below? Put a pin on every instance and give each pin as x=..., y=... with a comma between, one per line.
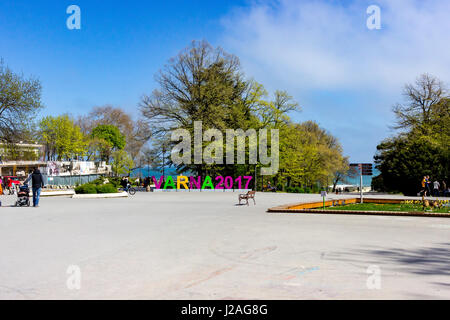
x=23, y=196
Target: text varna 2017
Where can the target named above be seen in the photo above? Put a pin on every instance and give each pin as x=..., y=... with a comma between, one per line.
x=184, y=182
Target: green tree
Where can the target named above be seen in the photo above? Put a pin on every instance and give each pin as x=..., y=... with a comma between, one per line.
x=206, y=84
x=342, y=172
x=201, y=84
x=63, y=140
x=275, y=113
x=136, y=133
x=121, y=163
x=404, y=161
x=94, y=148
x=309, y=156
x=111, y=139
x=20, y=99
x=422, y=146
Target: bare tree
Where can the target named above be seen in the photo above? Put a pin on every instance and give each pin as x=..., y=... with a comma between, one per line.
x=158, y=155
x=137, y=132
x=422, y=97
x=197, y=84
x=20, y=99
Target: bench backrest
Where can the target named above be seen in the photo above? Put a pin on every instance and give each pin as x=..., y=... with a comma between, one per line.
x=251, y=193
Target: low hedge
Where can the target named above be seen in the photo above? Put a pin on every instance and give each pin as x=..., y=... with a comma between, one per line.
x=299, y=190
x=92, y=188
x=87, y=188
x=106, y=188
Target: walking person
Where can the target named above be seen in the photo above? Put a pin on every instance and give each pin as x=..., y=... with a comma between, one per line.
x=37, y=183
x=428, y=185
x=447, y=192
x=423, y=192
x=147, y=184
x=436, y=186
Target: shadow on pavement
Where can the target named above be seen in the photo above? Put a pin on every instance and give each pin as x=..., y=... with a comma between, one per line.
x=423, y=261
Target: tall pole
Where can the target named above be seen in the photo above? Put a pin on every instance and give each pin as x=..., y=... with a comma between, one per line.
x=323, y=200
x=255, y=177
x=361, y=184
x=163, y=160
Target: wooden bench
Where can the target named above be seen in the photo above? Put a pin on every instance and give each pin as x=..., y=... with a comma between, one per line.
x=248, y=195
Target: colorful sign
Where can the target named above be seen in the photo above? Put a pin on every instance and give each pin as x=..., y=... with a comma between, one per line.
x=219, y=182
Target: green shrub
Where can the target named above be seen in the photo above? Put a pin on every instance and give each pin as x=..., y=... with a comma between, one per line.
x=115, y=182
x=97, y=181
x=87, y=188
x=279, y=187
x=106, y=188
x=95, y=187
x=298, y=190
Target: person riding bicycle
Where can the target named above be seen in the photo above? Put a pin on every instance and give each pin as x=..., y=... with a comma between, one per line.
x=125, y=183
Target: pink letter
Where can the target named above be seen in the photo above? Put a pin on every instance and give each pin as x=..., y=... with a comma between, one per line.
x=197, y=183
x=158, y=185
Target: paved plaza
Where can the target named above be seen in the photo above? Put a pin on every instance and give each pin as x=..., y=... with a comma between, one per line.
x=205, y=246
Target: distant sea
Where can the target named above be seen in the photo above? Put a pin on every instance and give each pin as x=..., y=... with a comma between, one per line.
x=150, y=172
x=367, y=180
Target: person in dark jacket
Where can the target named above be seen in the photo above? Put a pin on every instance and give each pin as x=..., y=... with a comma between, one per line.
x=37, y=182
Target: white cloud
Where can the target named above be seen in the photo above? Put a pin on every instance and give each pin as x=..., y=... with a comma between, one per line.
x=344, y=75
x=326, y=45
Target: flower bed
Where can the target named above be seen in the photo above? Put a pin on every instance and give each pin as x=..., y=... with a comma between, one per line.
x=375, y=206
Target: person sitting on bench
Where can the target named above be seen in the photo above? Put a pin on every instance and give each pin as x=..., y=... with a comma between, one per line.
x=270, y=188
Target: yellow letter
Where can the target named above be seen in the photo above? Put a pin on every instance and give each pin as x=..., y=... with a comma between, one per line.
x=182, y=180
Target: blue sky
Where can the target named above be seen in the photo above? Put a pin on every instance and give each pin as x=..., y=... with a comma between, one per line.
x=344, y=76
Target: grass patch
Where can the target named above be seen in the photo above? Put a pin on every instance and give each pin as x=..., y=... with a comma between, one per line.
x=404, y=207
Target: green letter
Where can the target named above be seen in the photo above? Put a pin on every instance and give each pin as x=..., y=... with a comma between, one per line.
x=207, y=182
x=169, y=182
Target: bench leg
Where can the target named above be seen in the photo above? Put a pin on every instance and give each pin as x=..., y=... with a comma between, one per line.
x=254, y=201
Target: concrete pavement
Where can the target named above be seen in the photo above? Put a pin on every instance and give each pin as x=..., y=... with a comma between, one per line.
x=204, y=246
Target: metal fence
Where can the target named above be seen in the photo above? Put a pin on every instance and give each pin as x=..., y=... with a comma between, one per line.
x=70, y=180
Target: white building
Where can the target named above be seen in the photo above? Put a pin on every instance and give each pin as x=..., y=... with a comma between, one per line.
x=32, y=152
